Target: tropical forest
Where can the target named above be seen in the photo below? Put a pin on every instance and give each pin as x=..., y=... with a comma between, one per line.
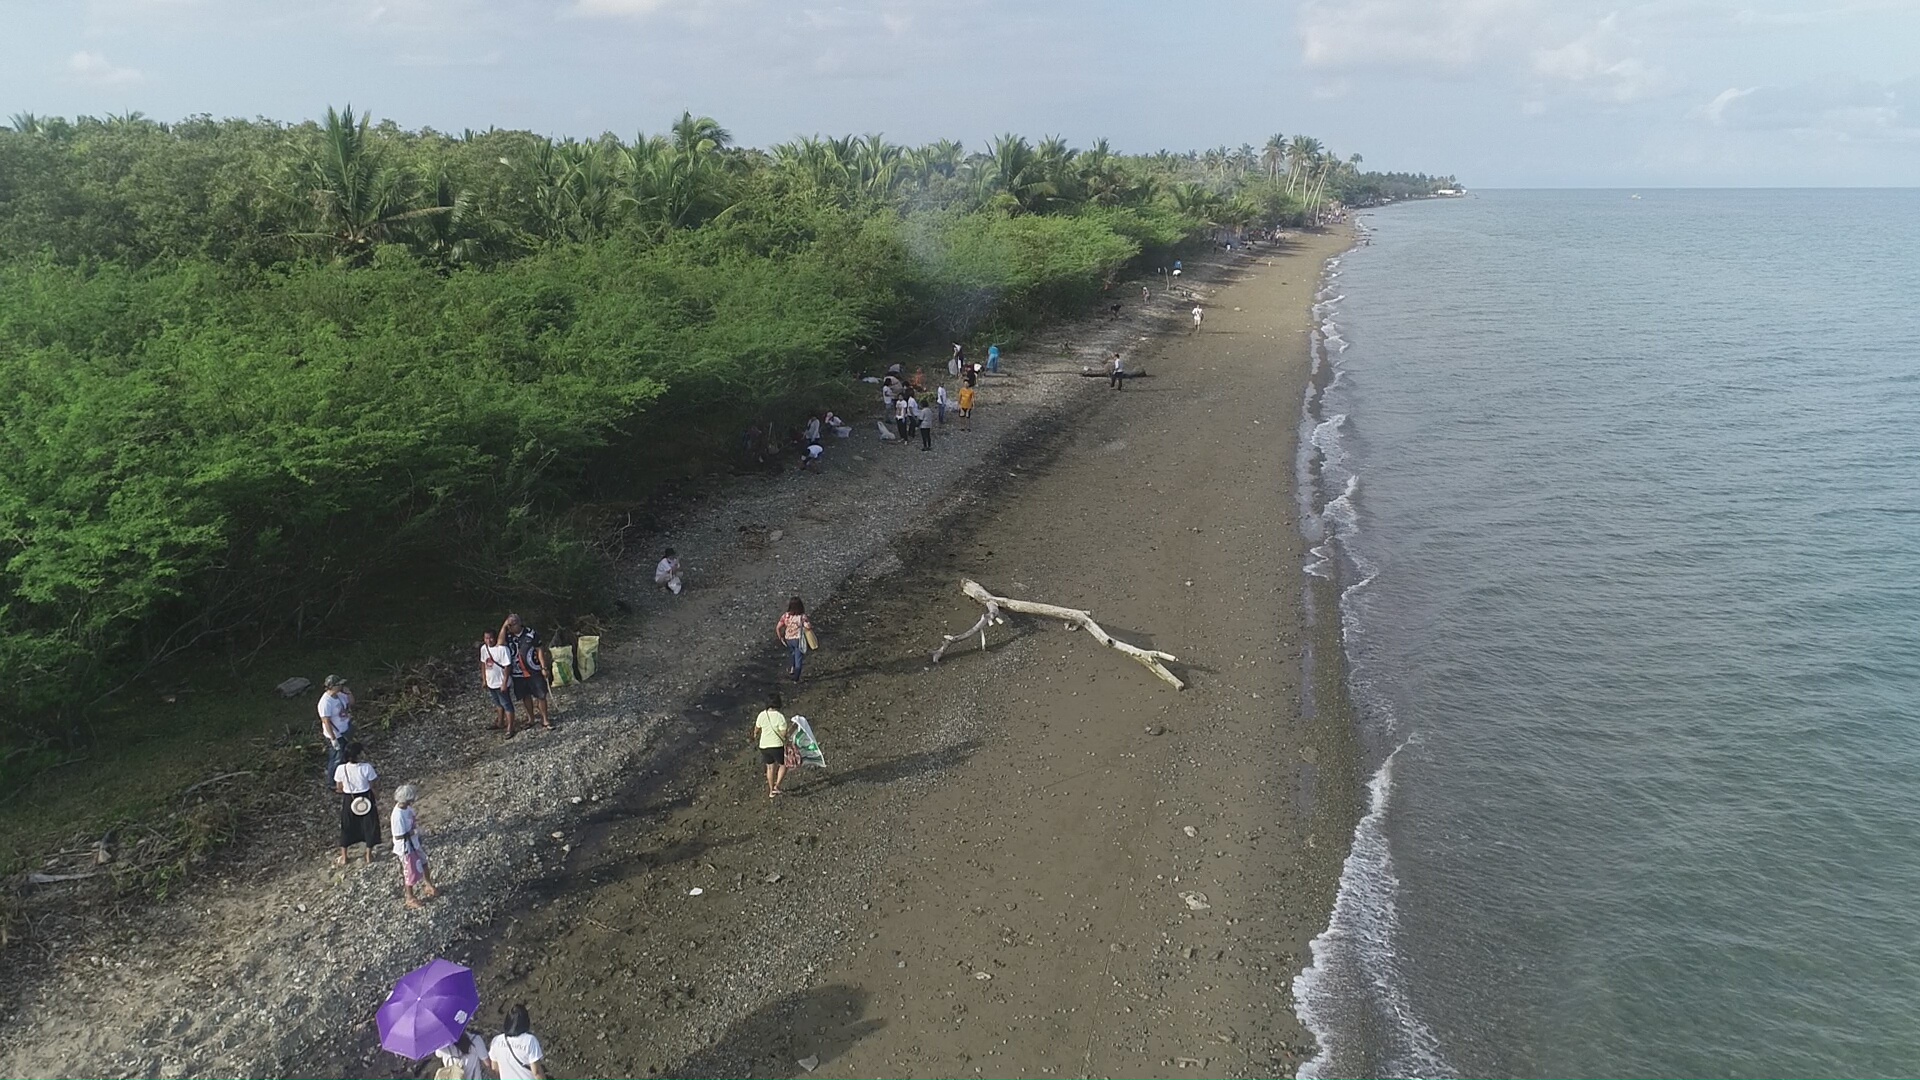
x=249, y=368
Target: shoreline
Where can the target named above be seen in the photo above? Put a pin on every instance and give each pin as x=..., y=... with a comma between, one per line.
x=278, y=958
x=993, y=931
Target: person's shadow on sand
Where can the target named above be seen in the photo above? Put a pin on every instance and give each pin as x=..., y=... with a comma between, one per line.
x=820, y=1023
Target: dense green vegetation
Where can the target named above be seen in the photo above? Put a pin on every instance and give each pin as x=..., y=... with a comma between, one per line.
x=246, y=366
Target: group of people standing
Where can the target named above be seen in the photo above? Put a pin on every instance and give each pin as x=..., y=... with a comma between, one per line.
x=352, y=778
x=914, y=410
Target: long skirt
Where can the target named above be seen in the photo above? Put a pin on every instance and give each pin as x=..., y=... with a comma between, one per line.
x=359, y=828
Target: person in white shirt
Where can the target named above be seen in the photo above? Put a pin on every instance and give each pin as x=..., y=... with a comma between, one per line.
x=900, y=418
x=940, y=403
x=1116, y=373
x=494, y=658
x=839, y=426
x=466, y=1058
x=516, y=1053
x=359, y=813
x=1196, y=318
x=667, y=572
x=813, y=429
x=336, y=717
x=405, y=828
x=926, y=425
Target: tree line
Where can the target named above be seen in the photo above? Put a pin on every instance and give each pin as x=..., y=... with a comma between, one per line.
x=247, y=366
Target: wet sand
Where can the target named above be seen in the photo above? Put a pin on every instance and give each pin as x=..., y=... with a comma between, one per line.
x=987, y=879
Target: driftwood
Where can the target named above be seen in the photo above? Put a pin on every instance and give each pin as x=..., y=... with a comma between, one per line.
x=37, y=878
x=1088, y=372
x=1074, y=618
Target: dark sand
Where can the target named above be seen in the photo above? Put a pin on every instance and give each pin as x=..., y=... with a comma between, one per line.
x=987, y=879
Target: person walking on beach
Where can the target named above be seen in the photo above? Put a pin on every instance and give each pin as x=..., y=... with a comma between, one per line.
x=359, y=813
x=913, y=416
x=336, y=718
x=993, y=358
x=926, y=427
x=666, y=573
x=795, y=631
x=515, y=1053
x=494, y=659
x=958, y=360
x=966, y=406
x=1116, y=373
x=940, y=405
x=1197, y=313
x=404, y=826
x=771, y=734
x=528, y=668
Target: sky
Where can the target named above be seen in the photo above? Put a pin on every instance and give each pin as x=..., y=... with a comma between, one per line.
x=1500, y=93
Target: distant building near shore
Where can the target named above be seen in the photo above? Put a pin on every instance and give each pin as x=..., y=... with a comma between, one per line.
x=1450, y=191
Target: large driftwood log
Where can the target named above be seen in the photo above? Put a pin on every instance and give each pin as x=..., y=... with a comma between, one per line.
x=1073, y=617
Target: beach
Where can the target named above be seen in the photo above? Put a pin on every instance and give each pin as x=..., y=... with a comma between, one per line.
x=988, y=877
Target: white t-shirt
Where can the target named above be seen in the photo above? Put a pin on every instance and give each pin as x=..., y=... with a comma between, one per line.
x=667, y=569
x=940, y=395
x=1196, y=314
x=500, y=656
x=473, y=1064
x=814, y=450
x=813, y=428
x=402, y=828
x=334, y=707
x=355, y=777
x=514, y=1055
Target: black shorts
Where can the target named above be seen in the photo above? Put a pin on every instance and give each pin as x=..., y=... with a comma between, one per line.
x=530, y=686
x=773, y=755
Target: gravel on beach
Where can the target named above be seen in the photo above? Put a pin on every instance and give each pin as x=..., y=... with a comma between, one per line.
x=278, y=971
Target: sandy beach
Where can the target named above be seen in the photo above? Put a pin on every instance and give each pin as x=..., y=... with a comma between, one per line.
x=988, y=877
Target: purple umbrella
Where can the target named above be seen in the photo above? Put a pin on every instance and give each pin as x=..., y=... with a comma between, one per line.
x=429, y=1007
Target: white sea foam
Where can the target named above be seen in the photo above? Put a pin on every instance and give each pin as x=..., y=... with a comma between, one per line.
x=1326, y=439
x=1353, y=957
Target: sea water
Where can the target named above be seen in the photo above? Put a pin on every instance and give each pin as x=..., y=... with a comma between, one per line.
x=1622, y=497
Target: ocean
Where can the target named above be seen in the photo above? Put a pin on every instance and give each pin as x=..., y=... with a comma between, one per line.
x=1622, y=498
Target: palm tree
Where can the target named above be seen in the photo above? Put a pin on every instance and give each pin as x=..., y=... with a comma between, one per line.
x=25, y=123
x=1302, y=153
x=700, y=136
x=1014, y=170
x=680, y=180
x=359, y=198
x=1273, y=154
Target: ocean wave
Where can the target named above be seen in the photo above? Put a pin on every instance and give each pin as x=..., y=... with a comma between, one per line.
x=1326, y=439
x=1354, y=956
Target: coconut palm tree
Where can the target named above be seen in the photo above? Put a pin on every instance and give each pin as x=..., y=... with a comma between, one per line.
x=359, y=197
x=1273, y=154
x=1302, y=153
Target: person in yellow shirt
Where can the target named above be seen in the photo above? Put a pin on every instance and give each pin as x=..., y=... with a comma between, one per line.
x=771, y=731
x=966, y=406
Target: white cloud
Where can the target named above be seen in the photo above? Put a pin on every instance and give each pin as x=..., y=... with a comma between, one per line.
x=92, y=67
x=1539, y=44
x=1856, y=111
x=1337, y=34
x=1715, y=111
x=629, y=7
x=1596, y=62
